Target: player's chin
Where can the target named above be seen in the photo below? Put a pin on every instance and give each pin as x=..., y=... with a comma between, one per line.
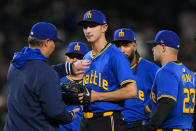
x=90, y=40
x=156, y=60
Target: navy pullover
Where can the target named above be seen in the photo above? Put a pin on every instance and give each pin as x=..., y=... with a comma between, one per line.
x=34, y=97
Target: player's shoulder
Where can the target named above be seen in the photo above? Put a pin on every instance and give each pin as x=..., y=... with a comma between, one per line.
x=40, y=70
x=114, y=51
x=149, y=64
x=38, y=65
x=172, y=68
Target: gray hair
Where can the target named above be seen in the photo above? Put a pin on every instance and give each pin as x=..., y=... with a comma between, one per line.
x=32, y=41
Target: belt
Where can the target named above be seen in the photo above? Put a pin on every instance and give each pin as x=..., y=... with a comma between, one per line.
x=134, y=124
x=174, y=130
x=89, y=115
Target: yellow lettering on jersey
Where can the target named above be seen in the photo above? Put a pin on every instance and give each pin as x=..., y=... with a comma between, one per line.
x=89, y=15
x=121, y=34
x=153, y=97
x=86, y=79
x=77, y=47
x=99, y=79
x=141, y=95
x=105, y=84
x=91, y=79
x=95, y=77
x=83, y=81
x=91, y=82
x=186, y=101
x=183, y=79
x=192, y=92
x=188, y=78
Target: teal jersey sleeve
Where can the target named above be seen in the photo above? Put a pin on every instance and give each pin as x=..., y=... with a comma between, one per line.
x=167, y=85
x=121, y=66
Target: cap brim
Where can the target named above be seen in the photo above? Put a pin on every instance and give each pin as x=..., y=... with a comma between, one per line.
x=59, y=40
x=84, y=22
x=121, y=41
x=151, y=42
x=71, y=53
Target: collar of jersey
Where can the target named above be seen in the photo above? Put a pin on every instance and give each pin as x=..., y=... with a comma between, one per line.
x=136, y=63
x=177, y=62
x=68, y=77
x=105, y=48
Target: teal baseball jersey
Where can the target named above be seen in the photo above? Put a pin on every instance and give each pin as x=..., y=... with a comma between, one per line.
x=135, y=108
x=177, y=82
x=108, y=71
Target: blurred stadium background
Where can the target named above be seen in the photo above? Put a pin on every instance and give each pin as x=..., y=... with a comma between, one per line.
x=145, y=17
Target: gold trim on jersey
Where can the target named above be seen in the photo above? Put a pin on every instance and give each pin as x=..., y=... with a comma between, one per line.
x=168, y=96
x=127, y=81
x=68, y=77
x=178, y=63
x=95, y=56
x=136, y=63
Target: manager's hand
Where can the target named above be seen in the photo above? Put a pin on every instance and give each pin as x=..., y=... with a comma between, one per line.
x=79, y=66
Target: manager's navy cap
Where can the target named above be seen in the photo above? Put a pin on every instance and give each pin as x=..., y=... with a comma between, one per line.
x=77, y=47
x=94, y=16
x=44, y=30
x=124, y=34
x=167, y=38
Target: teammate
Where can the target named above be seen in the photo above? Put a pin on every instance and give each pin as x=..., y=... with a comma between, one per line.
x=34, y=100
x=135, y=114
x=75, y=51
x=173, y=91
x=109, y=77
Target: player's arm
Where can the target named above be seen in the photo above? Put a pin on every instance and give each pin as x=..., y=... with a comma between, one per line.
x=127, y=92
x=121, y=67
x=51, y=100
x=166, y=101
x=67, y=68
x=164, y=108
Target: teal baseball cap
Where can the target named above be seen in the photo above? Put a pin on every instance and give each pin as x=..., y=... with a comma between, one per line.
x=77, y=48
x=167, y=38
x=124, y=34
x=44, y=30
x=93, y=16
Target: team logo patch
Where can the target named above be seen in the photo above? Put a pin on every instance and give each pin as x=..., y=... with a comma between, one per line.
x=121, y=34
x=77, y=47
x=89, y=15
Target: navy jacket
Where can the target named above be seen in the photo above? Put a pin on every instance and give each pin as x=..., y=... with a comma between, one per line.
x=34, y=96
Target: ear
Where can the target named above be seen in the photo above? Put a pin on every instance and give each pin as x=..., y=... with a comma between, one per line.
x=164, y=48
x=135, y=46
x=104, y=27
x=46, y=43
